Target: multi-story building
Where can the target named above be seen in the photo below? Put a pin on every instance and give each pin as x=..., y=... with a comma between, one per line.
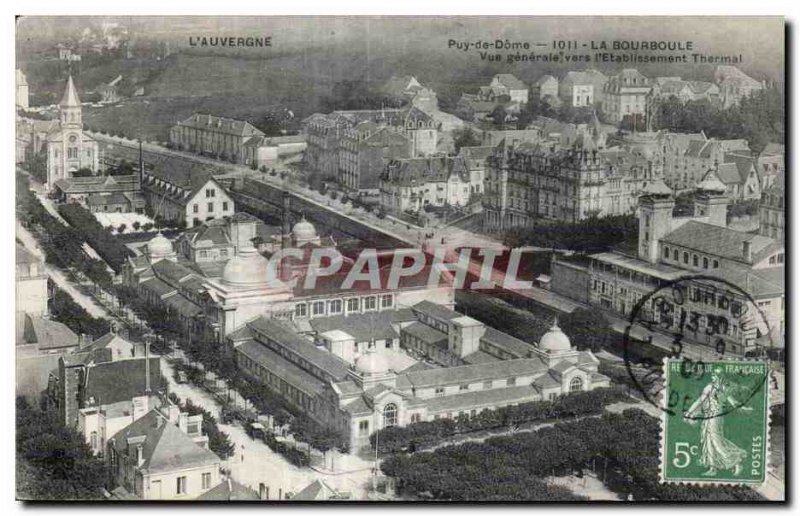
x=416, y=183
x=772, y=208
x=68, y=149
x=582, y=89
x=734, y=85
x=161, y=456
x=674, y=249
x=688, y=157
x=625, y=94
x=363, y=151
x=532, y=181
x=352, y=147
x=359, y=386
x=219, y=137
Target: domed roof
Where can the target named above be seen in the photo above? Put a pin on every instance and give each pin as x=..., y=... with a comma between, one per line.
x=372, y=363
x=159, y=246
x=711, y=183
x=248, y=268
x=304, y=231
x=555, y=340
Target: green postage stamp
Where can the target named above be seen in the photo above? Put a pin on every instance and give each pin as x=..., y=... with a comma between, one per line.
x=715, y=424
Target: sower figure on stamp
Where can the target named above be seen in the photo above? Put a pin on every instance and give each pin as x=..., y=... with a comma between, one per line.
x=717, y=452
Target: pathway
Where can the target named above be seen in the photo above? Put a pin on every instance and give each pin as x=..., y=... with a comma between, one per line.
x=254, y=462
x=59, y=278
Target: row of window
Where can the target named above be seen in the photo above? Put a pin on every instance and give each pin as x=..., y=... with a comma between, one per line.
x=210, y=207
x=334, y=306
x=676, y=255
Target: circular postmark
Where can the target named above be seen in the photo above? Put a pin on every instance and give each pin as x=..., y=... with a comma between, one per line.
x=696, y=319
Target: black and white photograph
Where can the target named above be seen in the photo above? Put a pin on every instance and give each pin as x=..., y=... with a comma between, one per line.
x=358, y=258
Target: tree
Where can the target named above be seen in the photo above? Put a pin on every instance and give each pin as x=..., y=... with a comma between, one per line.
x=587, y=329
x=53, y=461
x=136, y=225
x=465, y=137
x=121, y=228
x=499, y=115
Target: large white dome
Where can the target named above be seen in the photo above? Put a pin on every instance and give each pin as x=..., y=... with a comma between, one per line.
x=246, y=269
x=555, y=340
x=304, y=231
x=159, y=246
x=372, y=363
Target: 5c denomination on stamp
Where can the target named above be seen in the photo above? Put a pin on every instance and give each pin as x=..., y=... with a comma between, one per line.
x=715, y=422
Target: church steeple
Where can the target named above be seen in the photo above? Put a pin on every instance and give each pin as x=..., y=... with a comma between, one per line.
x=70, y=105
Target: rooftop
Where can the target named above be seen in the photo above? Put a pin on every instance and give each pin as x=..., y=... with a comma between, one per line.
x=165, y=447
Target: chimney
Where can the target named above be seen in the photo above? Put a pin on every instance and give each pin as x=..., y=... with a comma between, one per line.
x=747, y=251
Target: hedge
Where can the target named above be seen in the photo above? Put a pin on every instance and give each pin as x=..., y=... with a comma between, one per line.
x=429, y=433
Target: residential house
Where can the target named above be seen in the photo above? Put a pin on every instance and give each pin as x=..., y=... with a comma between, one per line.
x=101, y=373
x=416, y=183
x=505, y=85
x=626, y=94
x=734, y=85
x=582, y=88
x=545, y=86
x=162, y=456
x=183, y=192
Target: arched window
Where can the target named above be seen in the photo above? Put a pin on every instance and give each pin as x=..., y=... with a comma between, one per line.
x=389, y=415
x=576, y=384
x=705, y=263
x=675, y=255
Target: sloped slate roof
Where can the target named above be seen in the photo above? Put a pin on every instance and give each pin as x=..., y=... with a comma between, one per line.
x=285, y=337
x=165, y=447
x=112, y=382
x=715, y=240
x=476, y=372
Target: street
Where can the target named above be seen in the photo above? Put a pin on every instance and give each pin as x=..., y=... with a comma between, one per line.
x=254, y=462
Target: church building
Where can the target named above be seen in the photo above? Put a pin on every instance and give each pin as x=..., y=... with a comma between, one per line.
x=68, y=148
